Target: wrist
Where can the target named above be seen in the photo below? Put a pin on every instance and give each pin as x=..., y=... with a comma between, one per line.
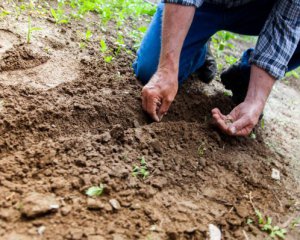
x=260, y=86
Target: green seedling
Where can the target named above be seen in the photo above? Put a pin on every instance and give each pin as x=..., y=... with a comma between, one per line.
x=201, y=150
x=30, y=30
x=59, y=16
x=141, y=170
x=295, y=223
x=3, y=13
x=103, y=46
x=292, y=74
x=95, y=191
x=252, y=135
x=266, y=226
x=108, y=59
x=88, y=35
x=249, y=221
x=227, y=94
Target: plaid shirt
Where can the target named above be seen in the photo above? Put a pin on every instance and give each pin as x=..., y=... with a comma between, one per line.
x=277, y=40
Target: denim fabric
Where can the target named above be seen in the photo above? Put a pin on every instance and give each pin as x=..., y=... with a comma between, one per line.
x=248, y=19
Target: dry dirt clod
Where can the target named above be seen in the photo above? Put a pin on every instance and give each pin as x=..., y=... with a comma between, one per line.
x=115, y=204
x=94, y=204
x=37, y=204
x=66, y=210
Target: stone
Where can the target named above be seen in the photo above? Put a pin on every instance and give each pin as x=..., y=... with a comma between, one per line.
x=214, y=232
x=105, y=137
x=41, y=230
x=9, y=215
x=96, y=237
x=275, y=174
x=66, y=210
x=37, y=204
x=189, y=204
x=159, y=182
x=16, y=236
x=115, y=204
x=94, y=204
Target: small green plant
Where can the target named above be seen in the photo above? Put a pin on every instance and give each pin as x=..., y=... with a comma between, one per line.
x=30, y=30
x=103, y=46
x=95, y=191
x=266, y=226
x=201, y=150
x=141, y=170
x=295, y=222
x=59, y=16
x=88, y=35
x=108, y=59
x=252, y=135
x=293, y=73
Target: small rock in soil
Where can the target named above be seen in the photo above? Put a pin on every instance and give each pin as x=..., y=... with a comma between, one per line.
x=214, y=232
x=159, y=182
x=41, y=230
x=96, y=237
x=105, y=137
x=242, y=211
x=94, y=204
x=66, y=210
x=115, y=204
x=275, y=174
x=9, y=215
x=157, y=147
x=16, y=236
x=36, y=204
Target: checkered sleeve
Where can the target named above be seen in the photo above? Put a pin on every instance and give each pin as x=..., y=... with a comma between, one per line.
x=279, y=38
x=196, y=3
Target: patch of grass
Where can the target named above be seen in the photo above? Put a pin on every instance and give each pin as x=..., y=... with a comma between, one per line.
x=141, y=170
x=266, y=226
x=95, y=191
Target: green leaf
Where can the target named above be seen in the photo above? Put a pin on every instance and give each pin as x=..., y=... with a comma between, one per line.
x=95, y=191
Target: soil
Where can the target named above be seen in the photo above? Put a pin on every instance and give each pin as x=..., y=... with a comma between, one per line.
x=69, y=121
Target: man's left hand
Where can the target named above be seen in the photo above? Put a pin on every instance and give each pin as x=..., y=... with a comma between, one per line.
x=241, y=120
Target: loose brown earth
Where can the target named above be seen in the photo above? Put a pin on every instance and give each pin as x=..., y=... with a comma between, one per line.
x=69, y=121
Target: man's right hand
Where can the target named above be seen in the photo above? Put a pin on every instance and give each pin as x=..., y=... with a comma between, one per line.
x=159, y=93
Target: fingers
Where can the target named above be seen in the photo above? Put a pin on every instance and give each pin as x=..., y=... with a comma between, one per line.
x=150, y=103
x=241, y=127
x=164, y=108
x=220, y=120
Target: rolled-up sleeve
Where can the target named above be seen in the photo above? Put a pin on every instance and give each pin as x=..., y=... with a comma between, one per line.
x=278, y=39
x=196, y=3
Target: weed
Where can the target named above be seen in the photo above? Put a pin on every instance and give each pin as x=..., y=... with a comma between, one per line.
x=103, y=46
x=88, y=35
x=293, y=73
x=59, y=15
x=108, y=59
x=30, y=30
x=201, y=150
x=141, y=170
x=266, y=226
x=295, y=222
x=95, y=190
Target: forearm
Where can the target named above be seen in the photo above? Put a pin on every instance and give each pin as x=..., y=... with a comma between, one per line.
x=177, y=20
x=260, y=86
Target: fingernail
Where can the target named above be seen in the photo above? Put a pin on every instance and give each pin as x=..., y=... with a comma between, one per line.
x=232, y=129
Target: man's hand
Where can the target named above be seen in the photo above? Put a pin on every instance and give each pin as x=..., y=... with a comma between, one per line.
x=159, y=93
x=244, y=117
x=241, y=120
x=161, y=90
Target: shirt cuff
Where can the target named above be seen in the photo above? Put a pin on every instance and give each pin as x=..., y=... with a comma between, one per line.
x=269, y=64
x=196, y=3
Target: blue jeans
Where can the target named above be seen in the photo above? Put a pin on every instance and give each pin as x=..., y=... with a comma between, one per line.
x=209, y=18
